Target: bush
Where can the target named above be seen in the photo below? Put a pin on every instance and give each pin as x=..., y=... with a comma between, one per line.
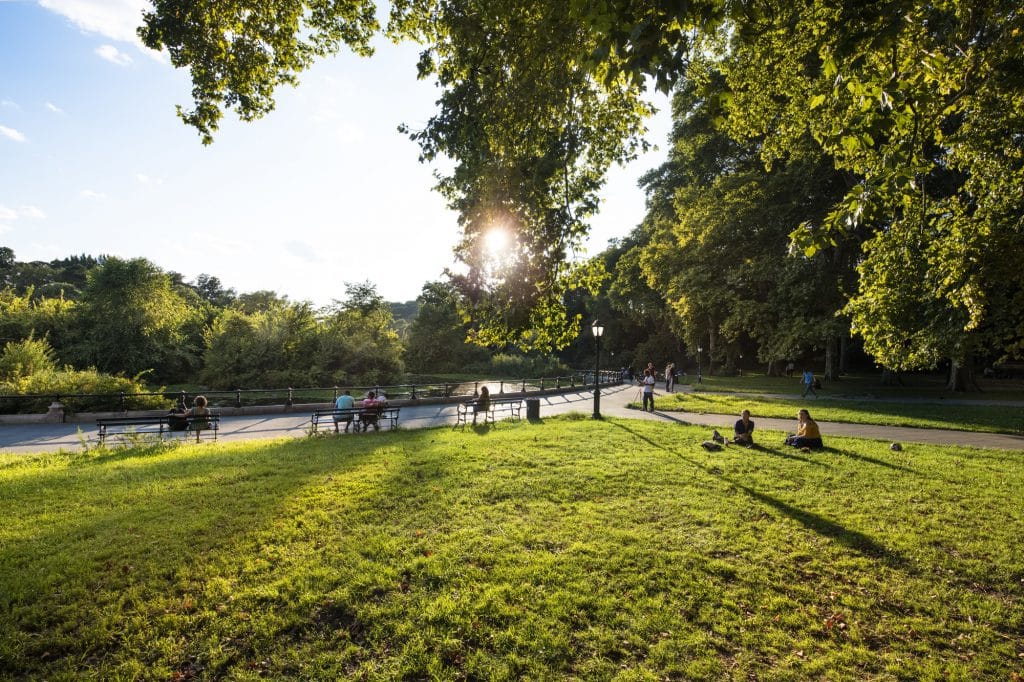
x=520, y=366
x=66, y=382
x=26, y=357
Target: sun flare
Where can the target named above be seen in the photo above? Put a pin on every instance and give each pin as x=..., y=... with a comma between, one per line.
x=497, y=242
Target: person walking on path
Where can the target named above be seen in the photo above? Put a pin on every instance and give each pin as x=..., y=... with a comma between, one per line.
x=648, y=383
x=670, y=377
x=808, y=381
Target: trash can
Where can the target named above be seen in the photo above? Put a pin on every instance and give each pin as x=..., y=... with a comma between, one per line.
x=533, y=408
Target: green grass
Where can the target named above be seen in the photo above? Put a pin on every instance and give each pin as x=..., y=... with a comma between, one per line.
x=571, y=549
x=931, y=386
x=987, y=418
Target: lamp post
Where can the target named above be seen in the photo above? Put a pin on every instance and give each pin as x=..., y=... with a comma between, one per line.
x=700, y=378
x=598, y=332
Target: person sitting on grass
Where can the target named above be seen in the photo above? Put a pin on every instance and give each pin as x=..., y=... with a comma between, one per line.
x=808, y=435
x=482, y=404
x=743, y=431
x=198, y=413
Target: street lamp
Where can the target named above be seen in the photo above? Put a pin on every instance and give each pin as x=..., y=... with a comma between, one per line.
x=700, y=379
x=598, y=332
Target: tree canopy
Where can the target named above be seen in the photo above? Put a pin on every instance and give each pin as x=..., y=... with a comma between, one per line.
x=920, y=102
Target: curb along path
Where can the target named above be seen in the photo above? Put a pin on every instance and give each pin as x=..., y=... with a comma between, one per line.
x=34, y=438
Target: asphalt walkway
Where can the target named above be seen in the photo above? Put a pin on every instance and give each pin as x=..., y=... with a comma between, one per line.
x=33, y=438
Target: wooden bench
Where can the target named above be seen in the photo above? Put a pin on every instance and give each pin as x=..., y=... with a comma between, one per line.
x=513, y=406
x=160, y=425
x=360, y=418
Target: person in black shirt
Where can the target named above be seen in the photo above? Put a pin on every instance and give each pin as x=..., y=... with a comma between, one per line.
x=743, y=432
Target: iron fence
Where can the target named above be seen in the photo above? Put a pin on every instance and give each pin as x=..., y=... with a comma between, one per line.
x=252, y=397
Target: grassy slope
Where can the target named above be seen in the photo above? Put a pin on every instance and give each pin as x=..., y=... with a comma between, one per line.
x=570, y=549
x=990, y=418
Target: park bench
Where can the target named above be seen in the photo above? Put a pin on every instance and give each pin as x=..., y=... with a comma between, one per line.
x=159, y=425
x=359, y=417
x=513, y=406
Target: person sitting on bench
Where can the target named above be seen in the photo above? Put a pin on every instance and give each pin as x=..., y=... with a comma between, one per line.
x=345, y=401
x=482, y=404
x=369, y=411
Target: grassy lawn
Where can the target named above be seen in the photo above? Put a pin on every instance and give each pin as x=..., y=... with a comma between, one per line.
x=571, y=549
x=991, y=418
x=930, y=386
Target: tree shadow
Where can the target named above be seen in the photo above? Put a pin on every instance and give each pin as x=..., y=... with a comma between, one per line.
x=847, y=537
x=788, y=455
x=872, y=460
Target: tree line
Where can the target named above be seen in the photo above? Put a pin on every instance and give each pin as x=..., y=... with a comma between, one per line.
x=87, y=324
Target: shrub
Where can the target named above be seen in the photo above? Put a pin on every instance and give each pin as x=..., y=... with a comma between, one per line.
x=68, y=382
x=520, y=366
x=26, y=357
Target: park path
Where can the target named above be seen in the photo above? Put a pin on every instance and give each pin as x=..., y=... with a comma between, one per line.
x=34, y=438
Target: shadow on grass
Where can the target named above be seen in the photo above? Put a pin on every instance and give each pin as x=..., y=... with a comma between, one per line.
x=852, y=539
x=872, y=460
x=788, y=455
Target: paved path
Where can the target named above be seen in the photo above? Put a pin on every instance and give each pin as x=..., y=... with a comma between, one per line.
x=28, y=438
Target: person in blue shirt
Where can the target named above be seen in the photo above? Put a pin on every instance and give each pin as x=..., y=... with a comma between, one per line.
x=345, y=401
x=808, y=381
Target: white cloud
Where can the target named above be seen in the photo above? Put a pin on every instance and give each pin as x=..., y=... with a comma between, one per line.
x=148, y=179
x=113, y=55
x=33, y=212
x=7, y=213
x=5, y=228
x=54, y=108
x=9, y=104
x=115, y=19
x=89, y=194
x=12, y=134
x=303, y=251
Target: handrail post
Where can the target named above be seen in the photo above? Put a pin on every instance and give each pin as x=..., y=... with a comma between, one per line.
x=414, y=391
x=524, y=385
x=558, y=383
x=476, y=388
x=238, y=397
x=542, y=384
x=501, y=387
x=288, y=403
x=124, y=406
x=335, y=399
x=446, y=389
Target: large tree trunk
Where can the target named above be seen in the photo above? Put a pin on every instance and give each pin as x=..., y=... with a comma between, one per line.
x=891, y=378
x=773, y=368
x=830, y=359
x=730, y=364
x=712, y=338
x=844, y=353
x=962, y=378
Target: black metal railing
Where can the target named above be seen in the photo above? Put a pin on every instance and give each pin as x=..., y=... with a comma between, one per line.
x=252, y=397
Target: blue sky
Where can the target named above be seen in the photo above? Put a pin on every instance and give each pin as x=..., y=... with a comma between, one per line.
x=321, y=192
